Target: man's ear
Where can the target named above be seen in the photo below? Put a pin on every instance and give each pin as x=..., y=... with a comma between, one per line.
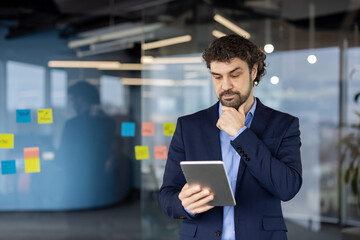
x=254, y=71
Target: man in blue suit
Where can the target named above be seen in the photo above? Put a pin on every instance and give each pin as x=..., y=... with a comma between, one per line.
x=260, y=148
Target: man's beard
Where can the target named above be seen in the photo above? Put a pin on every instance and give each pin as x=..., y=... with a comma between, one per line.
x=238, y=99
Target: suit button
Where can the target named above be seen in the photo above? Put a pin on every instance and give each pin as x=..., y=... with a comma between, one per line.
x=218, y=233
x=247, y=159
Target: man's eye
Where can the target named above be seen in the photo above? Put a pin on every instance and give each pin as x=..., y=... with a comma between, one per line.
x=234, y=76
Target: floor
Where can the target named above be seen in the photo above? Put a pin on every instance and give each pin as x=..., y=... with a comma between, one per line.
x=326, y=232
x=118, y=222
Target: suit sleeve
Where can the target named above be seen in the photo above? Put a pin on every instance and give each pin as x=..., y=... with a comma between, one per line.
x=174, y=179
x=280, y=173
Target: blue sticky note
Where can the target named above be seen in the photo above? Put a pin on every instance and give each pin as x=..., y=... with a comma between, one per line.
x=128, y=129
x=23, y=115
x=8, y=167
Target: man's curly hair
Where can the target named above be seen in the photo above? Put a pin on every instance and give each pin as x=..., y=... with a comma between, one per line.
x=232, y=46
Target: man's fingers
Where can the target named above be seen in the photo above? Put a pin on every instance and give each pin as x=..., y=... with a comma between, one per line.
x=188, y=191
x=218, y=124
x=200, y=205
x=202, y=209
x=197, y=199
x=225, y=108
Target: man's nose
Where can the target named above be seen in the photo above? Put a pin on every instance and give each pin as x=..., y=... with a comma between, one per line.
x=226, y=84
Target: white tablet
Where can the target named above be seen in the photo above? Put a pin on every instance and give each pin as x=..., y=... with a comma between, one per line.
x=212, y=175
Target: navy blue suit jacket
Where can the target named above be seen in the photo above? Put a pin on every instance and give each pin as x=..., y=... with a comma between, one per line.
x=269, y=171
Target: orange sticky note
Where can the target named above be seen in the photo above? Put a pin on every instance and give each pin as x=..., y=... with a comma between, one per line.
x=160, y=152
x=148, y=129
x=32, y=152
x=32, y=165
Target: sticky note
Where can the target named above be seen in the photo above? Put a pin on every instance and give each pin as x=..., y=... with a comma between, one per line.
x=32, y=165
x=169, y=129
x=148, y=129
x=8, y=167
x=160, y=152
x=128, y=129
x=45, y=116
x=32, y=152
x=6, y=140
x=23, y=116
x=141, y=152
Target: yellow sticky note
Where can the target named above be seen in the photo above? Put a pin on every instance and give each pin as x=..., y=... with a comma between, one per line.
x=169, y=129
x=45, y=116
x=141, y=152
x=32, y=165
x=6, y=140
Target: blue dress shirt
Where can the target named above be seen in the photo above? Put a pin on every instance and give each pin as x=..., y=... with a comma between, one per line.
x=232, y=161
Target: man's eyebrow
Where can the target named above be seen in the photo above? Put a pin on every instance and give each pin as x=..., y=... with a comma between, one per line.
x=214, y=73
x=235, y=69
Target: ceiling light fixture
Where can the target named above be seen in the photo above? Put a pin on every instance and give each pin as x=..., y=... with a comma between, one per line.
x=163, y=82
x=114, y=33
x=104, y=65
x=166, y=42
x=170, y=60
x=269, y=48
x=230, y=25
x=218, y=34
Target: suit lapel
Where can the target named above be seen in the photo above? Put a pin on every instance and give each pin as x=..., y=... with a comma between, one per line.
x=212, y=134
x=258, y=124
x=261, y=117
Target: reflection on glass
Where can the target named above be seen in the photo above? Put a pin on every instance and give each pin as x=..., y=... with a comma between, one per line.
x=112, y=95
x=25, y=85
x=85, y=150
x=58, y=88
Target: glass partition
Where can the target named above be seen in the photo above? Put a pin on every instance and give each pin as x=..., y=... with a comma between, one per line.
x=61, y=146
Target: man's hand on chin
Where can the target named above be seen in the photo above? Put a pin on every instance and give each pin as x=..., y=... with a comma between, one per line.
x=232, y=120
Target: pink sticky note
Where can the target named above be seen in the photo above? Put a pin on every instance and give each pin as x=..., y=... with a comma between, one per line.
x=148, y=129
x=32, y=152
x=160, y=152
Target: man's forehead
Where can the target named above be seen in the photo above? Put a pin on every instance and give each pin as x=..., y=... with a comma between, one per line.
x=229, y=62
x=229, y=66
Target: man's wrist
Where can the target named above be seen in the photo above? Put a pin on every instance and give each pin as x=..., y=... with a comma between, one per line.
x=238, y=133
x=190, y=213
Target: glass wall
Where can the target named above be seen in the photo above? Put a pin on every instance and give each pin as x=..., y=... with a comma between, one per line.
x=312, y=73
x=61, y=142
